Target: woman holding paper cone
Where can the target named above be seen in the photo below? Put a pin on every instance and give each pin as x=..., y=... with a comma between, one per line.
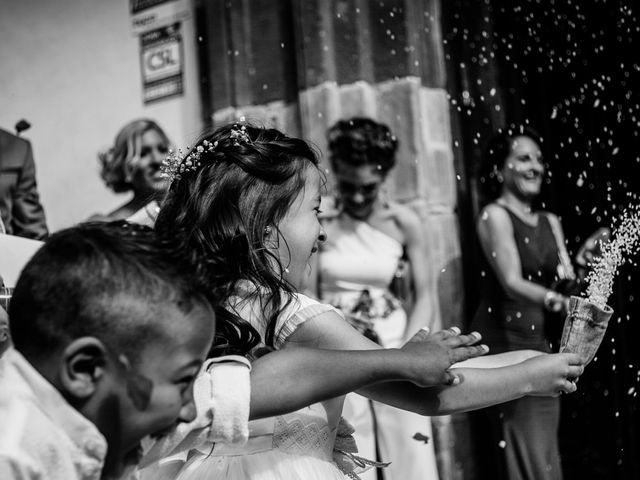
x=526, y=261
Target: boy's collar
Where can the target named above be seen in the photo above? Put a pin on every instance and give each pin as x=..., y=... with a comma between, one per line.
x=78, y=428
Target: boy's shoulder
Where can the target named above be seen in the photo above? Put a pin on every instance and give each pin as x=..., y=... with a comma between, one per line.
x=27, y=435
x=41, y=432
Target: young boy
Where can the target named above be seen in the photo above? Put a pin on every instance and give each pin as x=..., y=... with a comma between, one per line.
x=109, y=329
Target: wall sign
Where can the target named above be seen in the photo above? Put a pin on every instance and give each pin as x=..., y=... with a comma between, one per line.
x=161, y=62
x=150, y=14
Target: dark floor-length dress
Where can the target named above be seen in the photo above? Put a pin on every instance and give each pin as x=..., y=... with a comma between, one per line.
x=523, y=433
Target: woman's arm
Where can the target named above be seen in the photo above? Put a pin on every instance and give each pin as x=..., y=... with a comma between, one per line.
x=423, y=312
x=478, y=388
x=496, y=237
x=498, y=360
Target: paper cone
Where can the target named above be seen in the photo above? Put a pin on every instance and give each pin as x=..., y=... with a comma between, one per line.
x=584, y=328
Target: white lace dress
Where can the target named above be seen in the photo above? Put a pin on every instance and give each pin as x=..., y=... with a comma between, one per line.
x=357, y=264
x=288, y=447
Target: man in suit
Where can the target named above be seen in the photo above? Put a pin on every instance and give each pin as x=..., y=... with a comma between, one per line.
x=20, y=208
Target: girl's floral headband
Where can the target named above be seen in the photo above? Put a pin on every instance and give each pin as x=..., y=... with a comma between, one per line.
x=176, y=163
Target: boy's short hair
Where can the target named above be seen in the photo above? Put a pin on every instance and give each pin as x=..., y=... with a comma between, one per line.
x=106, y=280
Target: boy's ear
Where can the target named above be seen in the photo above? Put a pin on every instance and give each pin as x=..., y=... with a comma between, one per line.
x=83, y=366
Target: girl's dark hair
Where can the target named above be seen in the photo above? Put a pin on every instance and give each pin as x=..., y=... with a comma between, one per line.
x=496, y=152
x=242, y=188
x=361, y=141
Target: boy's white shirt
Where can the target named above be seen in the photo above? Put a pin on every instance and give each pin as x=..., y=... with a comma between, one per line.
x=222, y=394
x=42, y=435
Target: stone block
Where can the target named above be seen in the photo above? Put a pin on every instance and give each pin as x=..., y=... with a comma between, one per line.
x=438, y=179
x=442, y=233
x=280, y=115
x=319, y=109
x=224, y=115
x=398, y=107
x=434, y=108
x=358, y=99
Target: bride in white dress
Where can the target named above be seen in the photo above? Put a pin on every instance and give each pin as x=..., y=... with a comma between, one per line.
x=369, y=242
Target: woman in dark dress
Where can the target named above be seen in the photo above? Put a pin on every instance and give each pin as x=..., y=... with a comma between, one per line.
x=526, y=260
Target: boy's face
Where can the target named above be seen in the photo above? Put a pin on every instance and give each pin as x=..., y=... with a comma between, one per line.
x=169, y=369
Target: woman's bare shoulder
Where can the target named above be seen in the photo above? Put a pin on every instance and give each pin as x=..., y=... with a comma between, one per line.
x=493, y=212
x=494, y=218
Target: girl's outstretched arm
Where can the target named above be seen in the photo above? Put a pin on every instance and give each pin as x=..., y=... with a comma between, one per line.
x=478, y=388
x=227, y=395
x=498, y=360
x=287, y=380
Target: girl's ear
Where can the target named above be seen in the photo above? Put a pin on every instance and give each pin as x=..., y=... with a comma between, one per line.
x=83, y=365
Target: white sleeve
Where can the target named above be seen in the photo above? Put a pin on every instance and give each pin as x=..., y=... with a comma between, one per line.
x=300, y=309
x=222, y=395
x=230, y=384
x=12, y=469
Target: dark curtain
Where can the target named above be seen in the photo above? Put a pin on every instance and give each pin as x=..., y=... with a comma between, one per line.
x=571, y=70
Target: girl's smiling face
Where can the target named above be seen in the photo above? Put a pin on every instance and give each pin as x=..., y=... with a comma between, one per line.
x=300, y=231
x=523, y=169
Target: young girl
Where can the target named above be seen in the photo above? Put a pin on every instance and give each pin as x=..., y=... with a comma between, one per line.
x=246, y=199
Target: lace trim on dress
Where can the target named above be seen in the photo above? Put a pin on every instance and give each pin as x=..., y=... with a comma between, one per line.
x=299, y=437
x=344, y=450
x=293, y=322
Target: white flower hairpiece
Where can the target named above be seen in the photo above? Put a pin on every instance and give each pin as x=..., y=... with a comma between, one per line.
x=240, y=135
x=176, y=163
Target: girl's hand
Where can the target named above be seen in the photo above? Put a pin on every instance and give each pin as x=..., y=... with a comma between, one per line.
x=552, y=374
x=429, y=357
